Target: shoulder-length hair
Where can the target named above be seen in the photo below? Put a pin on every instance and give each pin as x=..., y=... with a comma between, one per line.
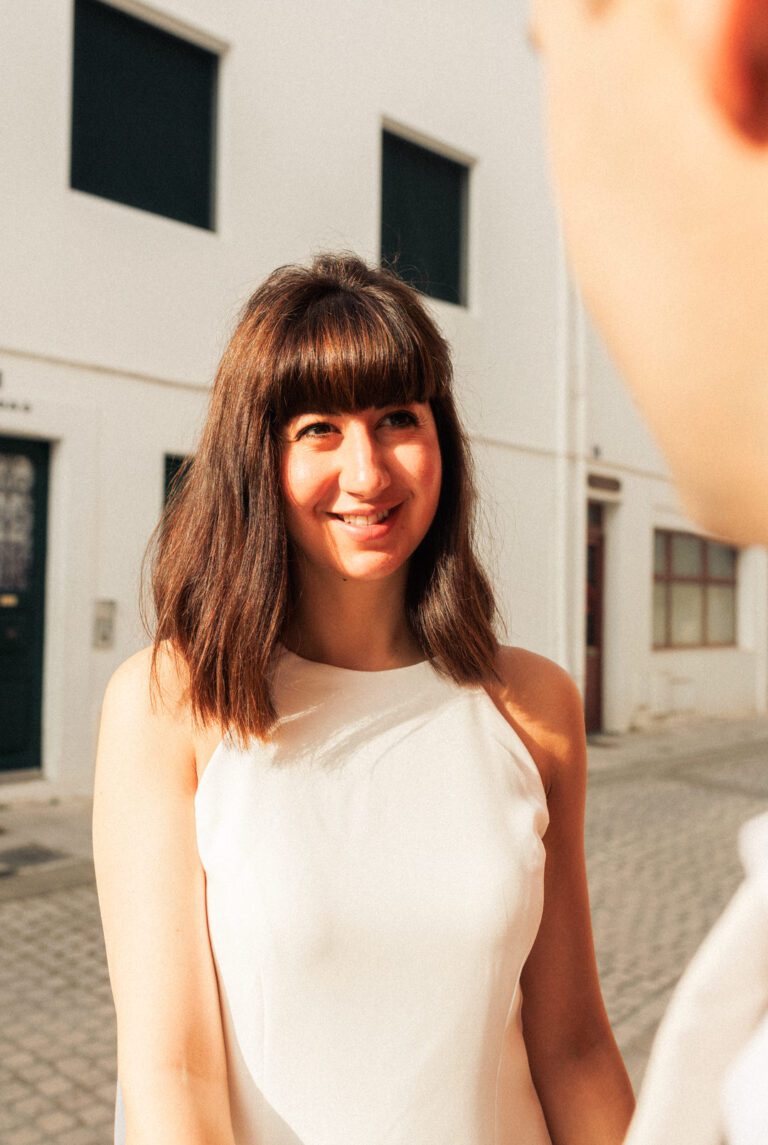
x=337, y=336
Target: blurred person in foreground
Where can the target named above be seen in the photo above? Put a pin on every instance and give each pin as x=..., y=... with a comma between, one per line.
x=658, y=128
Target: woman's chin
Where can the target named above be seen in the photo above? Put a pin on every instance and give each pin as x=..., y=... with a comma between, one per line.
x=368, y=567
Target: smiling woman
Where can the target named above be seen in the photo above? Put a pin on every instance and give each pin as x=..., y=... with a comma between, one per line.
x=333, y=397
x=320, y=839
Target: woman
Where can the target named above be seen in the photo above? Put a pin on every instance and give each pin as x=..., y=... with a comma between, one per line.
x=318, y=838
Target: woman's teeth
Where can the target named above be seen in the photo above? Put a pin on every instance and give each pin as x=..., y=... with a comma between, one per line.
x=373, y=519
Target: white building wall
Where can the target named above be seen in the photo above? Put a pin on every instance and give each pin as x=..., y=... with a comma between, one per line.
x=112, y=319
x=108, y=436
x=304, y=90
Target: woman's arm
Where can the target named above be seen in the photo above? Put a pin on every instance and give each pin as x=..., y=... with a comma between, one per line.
x=715, y=1008
x=171, y=1059
x=576, y=1066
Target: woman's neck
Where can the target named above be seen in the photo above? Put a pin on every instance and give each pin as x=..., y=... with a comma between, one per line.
x=352, y=624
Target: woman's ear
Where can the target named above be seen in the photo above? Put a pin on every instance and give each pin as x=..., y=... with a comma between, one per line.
x=737, y=63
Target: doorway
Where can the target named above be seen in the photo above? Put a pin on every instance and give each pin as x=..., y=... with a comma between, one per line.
x=593, y=699
x=23, y=530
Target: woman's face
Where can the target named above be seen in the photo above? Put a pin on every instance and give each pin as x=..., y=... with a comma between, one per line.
x=360, y=489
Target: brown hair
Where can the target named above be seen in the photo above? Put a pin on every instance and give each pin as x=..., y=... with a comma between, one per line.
x=338, y=336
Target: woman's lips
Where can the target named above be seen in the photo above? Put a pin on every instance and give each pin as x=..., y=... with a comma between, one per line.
x=367, y=532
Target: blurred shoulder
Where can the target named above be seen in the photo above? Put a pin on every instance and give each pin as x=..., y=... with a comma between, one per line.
x=542, y=703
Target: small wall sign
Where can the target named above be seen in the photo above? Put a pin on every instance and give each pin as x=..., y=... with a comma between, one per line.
x=104, y=615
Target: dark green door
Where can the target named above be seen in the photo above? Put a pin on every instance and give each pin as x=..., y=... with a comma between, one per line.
x=23, y=512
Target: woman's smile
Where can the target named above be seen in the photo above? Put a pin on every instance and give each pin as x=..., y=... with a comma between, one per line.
x=367, y=522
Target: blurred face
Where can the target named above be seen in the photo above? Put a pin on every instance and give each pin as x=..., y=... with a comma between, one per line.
x=360, y=489
x=622, y=132
x=663, y=207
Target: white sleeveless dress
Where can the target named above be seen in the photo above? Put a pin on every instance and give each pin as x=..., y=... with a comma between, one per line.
x=374, y=885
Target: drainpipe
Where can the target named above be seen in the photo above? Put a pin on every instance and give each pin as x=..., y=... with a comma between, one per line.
x=570, y=474
x=579, y=400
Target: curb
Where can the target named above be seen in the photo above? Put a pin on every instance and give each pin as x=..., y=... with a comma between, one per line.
x=29, y=881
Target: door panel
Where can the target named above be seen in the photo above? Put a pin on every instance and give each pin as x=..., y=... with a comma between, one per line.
x=593, y=700
x=23, y=528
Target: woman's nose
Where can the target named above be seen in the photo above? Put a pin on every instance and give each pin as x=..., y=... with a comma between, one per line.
x=364, y=470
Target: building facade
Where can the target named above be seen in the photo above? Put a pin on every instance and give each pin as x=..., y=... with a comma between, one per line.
x=159, y=160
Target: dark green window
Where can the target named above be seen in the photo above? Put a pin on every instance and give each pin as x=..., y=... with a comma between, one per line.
x=424, y=218
x=143, y=108
x=174, y=473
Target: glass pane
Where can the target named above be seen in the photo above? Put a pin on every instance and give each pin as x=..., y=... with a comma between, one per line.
x=659, y=614
x=142, y=115
x=17, y=476
x=423, y=208
x=593, y=595
x=721, y=560
x=174, y=477
x=721, y=614
x=687, y=613
x=659, y=552
x=687, y=555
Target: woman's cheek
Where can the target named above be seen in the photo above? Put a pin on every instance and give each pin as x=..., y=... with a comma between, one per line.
x=298, y=480
x=433, y=477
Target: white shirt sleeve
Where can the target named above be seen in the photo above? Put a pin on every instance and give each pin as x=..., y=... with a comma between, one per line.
x=715, y=1009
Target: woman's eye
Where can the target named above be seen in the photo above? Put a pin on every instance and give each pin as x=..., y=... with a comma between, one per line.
x=316, y=429
x=402, y=417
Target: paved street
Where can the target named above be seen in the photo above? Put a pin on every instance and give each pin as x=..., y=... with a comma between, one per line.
x=664, y=811
x=663, y=816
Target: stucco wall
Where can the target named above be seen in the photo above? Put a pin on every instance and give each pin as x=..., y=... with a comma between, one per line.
x=112, y=320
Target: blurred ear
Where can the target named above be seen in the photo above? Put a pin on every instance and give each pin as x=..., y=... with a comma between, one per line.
x=737, y=63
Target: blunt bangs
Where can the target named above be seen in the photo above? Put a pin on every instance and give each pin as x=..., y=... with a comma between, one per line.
x=348, y=352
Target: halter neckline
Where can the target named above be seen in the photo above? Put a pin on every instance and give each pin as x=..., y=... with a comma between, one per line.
x=321, y=665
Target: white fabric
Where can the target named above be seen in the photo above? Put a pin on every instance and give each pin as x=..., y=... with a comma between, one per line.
x=707, y=1077
x=745, y=1095
x=374, y=885
x=119, y=1117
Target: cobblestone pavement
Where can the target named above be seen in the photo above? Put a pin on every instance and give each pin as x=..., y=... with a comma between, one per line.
x=57, y=1059
x=664, y=811
x=663, y=817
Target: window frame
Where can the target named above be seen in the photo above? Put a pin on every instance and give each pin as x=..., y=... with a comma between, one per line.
x=705, y=579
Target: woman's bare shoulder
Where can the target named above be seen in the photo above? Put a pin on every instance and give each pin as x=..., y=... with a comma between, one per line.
x=541, y=702
x=153, y=702
x=146, y=710
x=155, y=685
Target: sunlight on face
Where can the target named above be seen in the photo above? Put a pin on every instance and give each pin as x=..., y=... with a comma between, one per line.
x=360, y=489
